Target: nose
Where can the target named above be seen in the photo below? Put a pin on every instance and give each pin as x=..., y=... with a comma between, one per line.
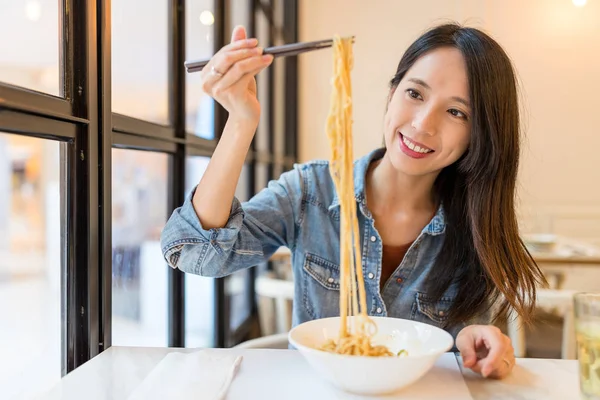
x=425, y=121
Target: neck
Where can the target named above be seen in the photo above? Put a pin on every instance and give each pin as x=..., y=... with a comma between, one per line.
x=390, y=190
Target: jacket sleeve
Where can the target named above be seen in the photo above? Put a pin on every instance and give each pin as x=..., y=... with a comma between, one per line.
x=253, y=232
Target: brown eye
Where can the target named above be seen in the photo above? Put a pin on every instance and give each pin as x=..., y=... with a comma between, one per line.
x=458, y=114
x=414, y=94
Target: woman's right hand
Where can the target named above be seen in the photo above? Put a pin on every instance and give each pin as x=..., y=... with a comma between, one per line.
x=229, y=76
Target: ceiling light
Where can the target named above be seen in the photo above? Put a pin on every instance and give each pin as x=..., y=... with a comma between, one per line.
x=33, y=10
x=207, y=18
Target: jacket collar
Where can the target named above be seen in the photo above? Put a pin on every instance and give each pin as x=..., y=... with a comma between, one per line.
x=360, y=167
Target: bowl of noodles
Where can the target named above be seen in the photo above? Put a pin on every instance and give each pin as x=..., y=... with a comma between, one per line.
x=398, y=354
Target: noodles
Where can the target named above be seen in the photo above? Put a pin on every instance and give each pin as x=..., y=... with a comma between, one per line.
x=355, y=332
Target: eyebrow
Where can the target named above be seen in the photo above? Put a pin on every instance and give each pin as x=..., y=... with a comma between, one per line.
x=426, y=86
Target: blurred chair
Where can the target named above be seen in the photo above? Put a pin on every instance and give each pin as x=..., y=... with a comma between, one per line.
x=559, y=302
x=275, y=297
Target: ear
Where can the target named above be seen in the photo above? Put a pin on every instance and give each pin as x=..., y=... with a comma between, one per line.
x=391, y=94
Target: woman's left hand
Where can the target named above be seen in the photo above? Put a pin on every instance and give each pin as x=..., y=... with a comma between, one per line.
x=486, y=350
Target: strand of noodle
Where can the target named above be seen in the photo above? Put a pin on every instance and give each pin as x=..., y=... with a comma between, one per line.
x=356, y=257
x=347, y=159
x=355, y=263
x=355, y=341
x=344, y=88
x=332, y=124
x=346, y=104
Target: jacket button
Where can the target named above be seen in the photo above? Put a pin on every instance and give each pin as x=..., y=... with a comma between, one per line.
x=379, y=310
x=373, y=239
x=399, y=280
x=330, y=280
x=371, y=276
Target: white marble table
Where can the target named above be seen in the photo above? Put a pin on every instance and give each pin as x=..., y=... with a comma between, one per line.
x=279, y=374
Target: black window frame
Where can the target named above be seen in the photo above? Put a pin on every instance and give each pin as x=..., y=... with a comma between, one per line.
x=83, y=119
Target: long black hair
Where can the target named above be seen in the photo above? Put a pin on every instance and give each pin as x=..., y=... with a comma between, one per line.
x=482, y=252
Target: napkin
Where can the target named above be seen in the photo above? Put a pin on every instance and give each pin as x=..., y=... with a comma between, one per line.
x=203, y=374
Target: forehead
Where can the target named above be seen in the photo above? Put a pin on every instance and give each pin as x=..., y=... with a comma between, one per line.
x=443, y=69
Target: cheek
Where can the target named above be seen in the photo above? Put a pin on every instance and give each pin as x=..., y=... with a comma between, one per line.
x=388, y=127
x=461, y=142
x=386, y=121
x=394, y=117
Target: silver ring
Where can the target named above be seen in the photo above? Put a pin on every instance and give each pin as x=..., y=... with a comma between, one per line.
x=214, y=71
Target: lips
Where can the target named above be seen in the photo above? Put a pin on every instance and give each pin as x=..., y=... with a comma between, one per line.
x=413, y=148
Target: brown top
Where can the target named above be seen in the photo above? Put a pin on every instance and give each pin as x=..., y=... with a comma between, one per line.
x=392, y=257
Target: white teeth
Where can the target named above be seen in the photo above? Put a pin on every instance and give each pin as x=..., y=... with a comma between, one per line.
x=414, y=147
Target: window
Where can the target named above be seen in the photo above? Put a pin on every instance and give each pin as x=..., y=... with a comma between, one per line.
x=25, y=25
x=199, y=301
x=237, y=285
x=30, y=265
x=92, y=164
x=199, y=27
x=262, y=141
x=139, y=59
x=139, y=277
x=262, y=176
x=199, y=291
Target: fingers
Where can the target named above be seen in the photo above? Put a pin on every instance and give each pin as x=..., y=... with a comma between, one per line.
x=486, y=350
x=239, y=33
x=227, y=55
x=226, y=58
x=471, y=345
x=502, y=365
x=249, y=66
x=497, y=348
x=228, y=76
x=466, y=345
x=223, y=62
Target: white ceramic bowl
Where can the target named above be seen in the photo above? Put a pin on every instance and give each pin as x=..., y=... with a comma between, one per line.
x=373, y=375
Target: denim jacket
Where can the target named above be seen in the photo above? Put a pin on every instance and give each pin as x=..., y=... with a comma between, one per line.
x=301, y=211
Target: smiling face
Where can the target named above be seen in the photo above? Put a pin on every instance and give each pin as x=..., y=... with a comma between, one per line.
x=428, y=120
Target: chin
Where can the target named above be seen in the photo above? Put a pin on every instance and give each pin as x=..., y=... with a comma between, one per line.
x=404, y=165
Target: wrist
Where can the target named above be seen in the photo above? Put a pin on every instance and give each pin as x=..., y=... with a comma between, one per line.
x=239, y=132
x=242, y=123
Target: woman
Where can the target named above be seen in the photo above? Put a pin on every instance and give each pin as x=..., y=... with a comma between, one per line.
x=439, y=235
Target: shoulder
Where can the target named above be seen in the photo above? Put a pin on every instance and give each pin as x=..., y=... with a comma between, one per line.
x=309, y=172
x=304, y=178
x=316, y=177
x=308, y=182
x=312, y=181
x=313, y=166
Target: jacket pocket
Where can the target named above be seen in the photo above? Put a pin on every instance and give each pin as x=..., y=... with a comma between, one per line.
x=427, y=310
x=324, y=272
x=321, y=287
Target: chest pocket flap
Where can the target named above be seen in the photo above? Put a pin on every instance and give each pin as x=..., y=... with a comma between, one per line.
x=437, y=311
x=326, y=273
